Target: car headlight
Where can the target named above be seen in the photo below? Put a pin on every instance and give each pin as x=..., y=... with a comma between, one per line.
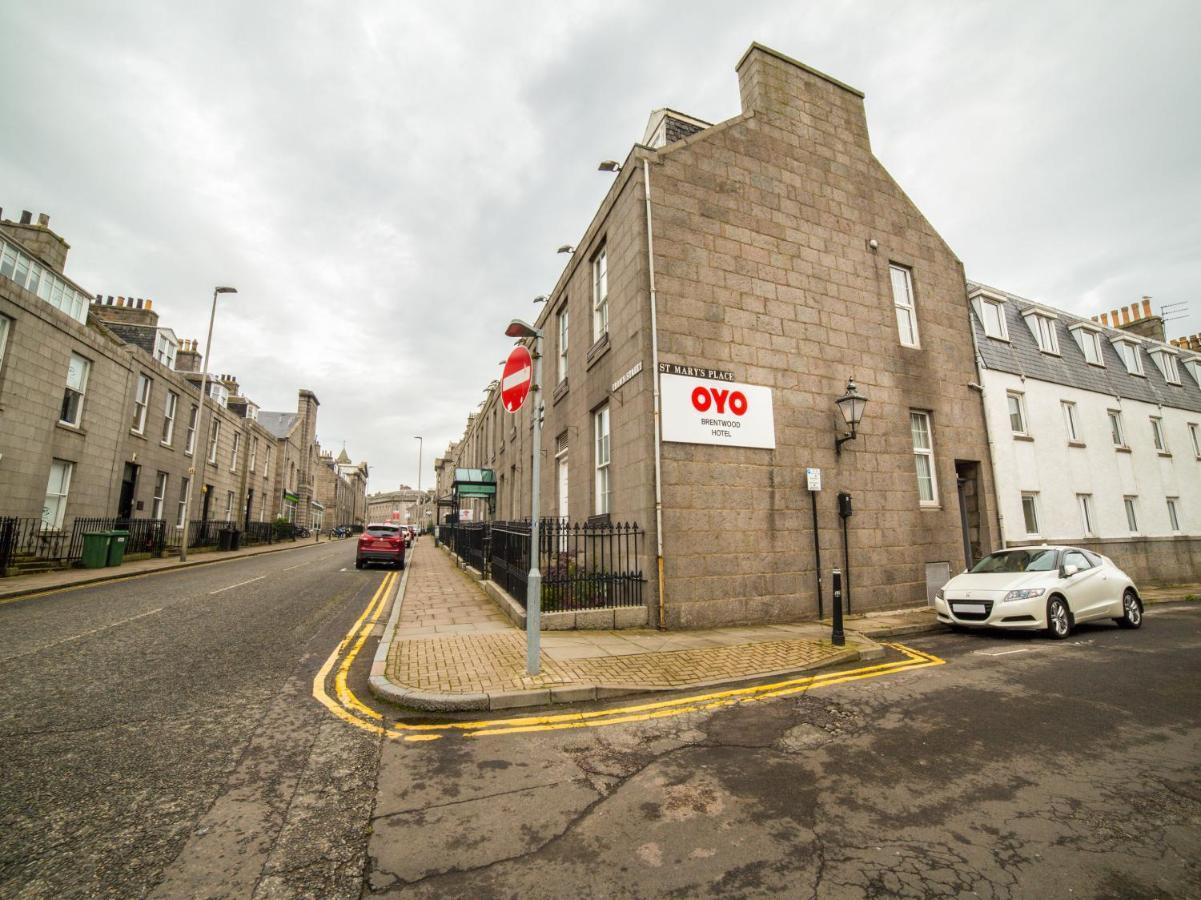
x=1025, y=594
x=938, y=595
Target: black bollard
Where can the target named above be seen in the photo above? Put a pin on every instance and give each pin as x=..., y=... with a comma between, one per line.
x=837, y=638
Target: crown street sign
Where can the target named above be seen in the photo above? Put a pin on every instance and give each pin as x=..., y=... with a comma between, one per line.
x=515, y=381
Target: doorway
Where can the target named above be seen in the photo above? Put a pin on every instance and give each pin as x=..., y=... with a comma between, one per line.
x=129, y=486
x=249, y=507
x=967, y=479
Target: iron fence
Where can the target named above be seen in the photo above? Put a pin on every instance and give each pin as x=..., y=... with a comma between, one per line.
x=589, y=566
x=258, y=533
x=25, y=539
x=471, y=544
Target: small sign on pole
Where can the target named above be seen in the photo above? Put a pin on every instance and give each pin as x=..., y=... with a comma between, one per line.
x=813, y=478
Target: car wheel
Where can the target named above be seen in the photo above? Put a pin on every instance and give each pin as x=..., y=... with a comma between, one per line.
x=358, y=564
x=1132, y=611
x=1059, y=619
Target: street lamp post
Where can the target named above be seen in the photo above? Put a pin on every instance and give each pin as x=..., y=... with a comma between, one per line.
x=533, y=589
x=420, y=444
x=201, y=434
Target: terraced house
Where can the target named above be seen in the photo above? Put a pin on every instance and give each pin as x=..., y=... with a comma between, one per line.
x=735, y=279
x=99, y=418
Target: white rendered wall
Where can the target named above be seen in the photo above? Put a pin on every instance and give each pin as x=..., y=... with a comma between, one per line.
x=1058, y=472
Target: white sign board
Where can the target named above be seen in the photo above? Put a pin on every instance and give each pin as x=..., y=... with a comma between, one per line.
x=813, y=477
x=726, y=413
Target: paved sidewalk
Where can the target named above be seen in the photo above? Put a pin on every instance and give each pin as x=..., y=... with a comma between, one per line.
x=23, y=585
x=449, y=647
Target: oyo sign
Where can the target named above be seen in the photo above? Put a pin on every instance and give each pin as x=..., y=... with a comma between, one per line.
x=726, y=413
x=516, y=379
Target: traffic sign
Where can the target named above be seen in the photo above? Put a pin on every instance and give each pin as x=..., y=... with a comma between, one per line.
x=814, y=479
x=516, y=379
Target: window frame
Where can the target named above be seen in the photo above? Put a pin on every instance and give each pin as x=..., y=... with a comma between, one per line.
x=909, y=307
x=1041, y=323
x=997, y=309
x=1117, y=429
x=600, y=292
x=1020, y=397
x=1089, y=337
x=1130, y=504
x=1071, y=421
x=6, y=325
x=564, y=341
x=926, y=453
x=1194, y=431
x=1173, y=504
x=189, y=447
x=214, y=440
x=161, y=480
x=1084, y=503
x=1159, y=437
x=82, y=392
x=181, y=509
x=1030, y=513
x=1132, y=360
x=602, y=457
x=170, y=410
x=142, y=392
x=233, y=456
x=67, y=470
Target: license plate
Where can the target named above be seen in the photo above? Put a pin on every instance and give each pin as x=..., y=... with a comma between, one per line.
x=969, y=608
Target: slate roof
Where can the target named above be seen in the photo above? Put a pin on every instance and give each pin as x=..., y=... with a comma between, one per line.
x=138, y=335
x=1021, y=356
x=278, y=423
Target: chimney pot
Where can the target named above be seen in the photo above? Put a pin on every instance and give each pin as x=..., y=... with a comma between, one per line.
x=1147, y=307
x=1105, y=319
x=26, y=217
x=149, y=303
x=1114, y=317
x=43, y=220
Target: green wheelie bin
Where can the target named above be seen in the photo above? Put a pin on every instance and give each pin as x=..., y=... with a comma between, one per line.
x=95, y=549
x=116, y=547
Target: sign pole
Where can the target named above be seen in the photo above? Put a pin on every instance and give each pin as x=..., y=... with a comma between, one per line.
x=817, y=555
x=533, y=591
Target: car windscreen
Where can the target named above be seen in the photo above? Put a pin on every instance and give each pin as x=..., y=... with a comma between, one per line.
x=1018, y=561
x=378, y=531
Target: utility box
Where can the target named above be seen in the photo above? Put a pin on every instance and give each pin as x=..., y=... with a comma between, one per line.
x=229, y=539
x=95, y=549
x=116, y=547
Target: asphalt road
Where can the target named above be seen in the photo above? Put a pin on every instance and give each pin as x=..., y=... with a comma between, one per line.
x=160, y=737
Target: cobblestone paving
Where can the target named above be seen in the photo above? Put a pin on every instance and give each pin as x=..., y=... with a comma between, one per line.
x=452, y=639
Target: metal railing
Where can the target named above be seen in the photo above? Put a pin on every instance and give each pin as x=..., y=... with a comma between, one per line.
x=145, y=535
x=25, y=538
x=258, y=533
x=583, y=566
x=470, y=541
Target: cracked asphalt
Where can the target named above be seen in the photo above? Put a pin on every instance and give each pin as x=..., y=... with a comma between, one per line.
x=162, y=739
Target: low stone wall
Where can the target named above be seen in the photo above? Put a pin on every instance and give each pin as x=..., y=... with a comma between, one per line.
x=1150, y=561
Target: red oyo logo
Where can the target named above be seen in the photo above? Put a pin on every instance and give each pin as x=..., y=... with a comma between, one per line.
x=705, y=398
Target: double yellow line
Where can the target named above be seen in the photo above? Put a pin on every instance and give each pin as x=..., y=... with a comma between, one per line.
x=350, y=709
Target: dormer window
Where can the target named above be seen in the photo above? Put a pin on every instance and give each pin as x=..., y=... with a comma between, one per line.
x=1042, y=326
x=1089, y=341
x=165, y=347
x=1128, y=350
x=990, y=309
x=1165, y=361
x=1194, y=368
x=219, y=393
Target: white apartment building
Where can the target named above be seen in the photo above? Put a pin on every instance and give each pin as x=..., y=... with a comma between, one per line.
x=1095, y=434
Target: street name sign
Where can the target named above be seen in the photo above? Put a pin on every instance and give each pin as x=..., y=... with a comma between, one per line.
x=516, y=379
x=728, y=414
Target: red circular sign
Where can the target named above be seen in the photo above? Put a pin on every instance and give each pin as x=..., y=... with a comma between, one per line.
x=516, y=380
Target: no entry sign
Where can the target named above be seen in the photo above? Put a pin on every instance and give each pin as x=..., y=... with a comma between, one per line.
x=516, y=379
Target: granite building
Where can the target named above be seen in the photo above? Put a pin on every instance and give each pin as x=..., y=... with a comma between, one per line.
x=736, y=277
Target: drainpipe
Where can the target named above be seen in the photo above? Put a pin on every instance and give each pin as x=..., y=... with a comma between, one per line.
x=650, y=260
x=992, y=455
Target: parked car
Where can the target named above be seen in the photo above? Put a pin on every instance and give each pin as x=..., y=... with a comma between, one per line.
x=1050, y=588
x=382, y=543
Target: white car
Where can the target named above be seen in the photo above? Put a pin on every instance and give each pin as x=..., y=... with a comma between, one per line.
x=1036, y=588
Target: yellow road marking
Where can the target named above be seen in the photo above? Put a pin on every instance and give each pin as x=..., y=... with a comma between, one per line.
x=352, y=710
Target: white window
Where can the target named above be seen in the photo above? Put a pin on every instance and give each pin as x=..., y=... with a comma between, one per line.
x=923, y=456
x=600, y=294
x=190, y=443
x=181, y=511
x=603, y=486
x=169, y=407
x=5, y=324
x=58, y=485
x=1043, y=328
x=1115, y=428
x=1089, y=342
x=77, y=385
x=992, y=314
x=1070, y=422
x=1166, y=363
x=1128, y=350
x=1194, y=367
x=254, y=452
x=141, y=402
x=1174, y=513
x=229, y=506
x=214, y=436
x=1086, y=512
x=266, y=460
x=1131, y=514
x=219, y=393
x=160, y=495
x=165, y=348
x=1195, y=433
x=1157, y=435
x=233, y=457
x=1017, y=412
x=902, y=299
x=563, y=343
x=1030, y=512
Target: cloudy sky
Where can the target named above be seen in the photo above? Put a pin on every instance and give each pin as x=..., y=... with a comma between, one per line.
x=386, y=183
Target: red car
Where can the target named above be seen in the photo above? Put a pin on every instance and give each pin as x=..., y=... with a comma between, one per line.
x=382, y=543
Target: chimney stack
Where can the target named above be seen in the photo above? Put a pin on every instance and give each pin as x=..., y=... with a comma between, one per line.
x=26, y=217
x=39, y=239
x=187, y=359
x=124, y=311
x=1137, y=318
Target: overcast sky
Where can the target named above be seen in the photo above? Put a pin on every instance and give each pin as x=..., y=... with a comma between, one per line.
x=386, y=183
